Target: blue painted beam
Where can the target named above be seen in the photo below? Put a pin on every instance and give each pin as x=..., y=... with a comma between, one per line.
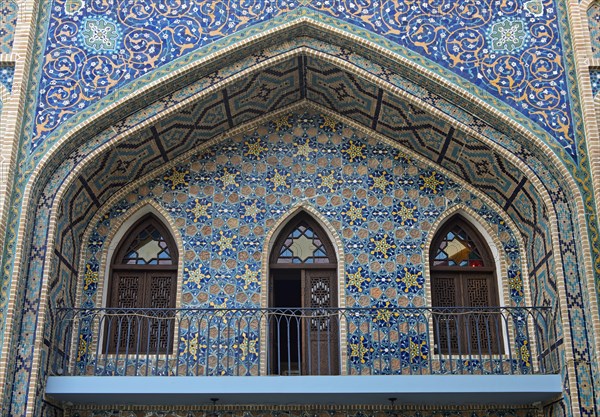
x=417, y=389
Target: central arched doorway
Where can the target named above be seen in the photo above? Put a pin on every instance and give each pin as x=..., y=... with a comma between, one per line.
x=304, y=325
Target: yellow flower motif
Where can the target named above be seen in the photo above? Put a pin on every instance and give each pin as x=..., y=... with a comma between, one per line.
x=380, y=182
x=525, y=355
x=247, y=346
x=359, y=350
x=90, y=277
x=402, y=155
x=304, y=149
x=405, y=213
x=416, y=350
x=355, y=151
x=224, y=243
x=177, y=178
x=229, y=178
x=82, y=349
x=382, y=246
x=410, y=279
x=384, y=314
x=281, y=122
x=196, y=276
x=431, y=182
x=356, y=279
x=199, y=210
x=329, y=122
x=192, y=346
x=255, y=148
x=516, y=284
x=252, y=211
x=279, y=180
x=222, y=314
x=355, y=213
x=249, y=276
x=329, y=181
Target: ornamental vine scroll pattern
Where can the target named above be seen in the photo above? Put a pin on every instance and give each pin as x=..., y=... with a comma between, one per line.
x=510, y=49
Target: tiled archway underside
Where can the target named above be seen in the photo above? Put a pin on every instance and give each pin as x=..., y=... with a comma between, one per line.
x=295, y=79
x=305, y=78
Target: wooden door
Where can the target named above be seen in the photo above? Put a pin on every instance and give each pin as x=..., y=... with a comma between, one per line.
x=321, y=329
x=483, y=330
x=130, y=330
x=475, y=330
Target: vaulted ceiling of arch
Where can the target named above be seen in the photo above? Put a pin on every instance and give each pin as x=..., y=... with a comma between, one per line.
x=310, y=80
x=509, y=51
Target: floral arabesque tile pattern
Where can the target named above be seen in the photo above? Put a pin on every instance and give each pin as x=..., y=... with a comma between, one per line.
x=512, y=50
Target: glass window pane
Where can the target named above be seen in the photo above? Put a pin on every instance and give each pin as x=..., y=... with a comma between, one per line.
x=458, y=249
x=303, y=245
x=148, y=248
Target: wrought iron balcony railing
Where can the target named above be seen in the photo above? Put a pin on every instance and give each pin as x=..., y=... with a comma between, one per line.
x=304, y=341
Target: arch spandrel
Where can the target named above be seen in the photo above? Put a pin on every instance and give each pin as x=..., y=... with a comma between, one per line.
x=391, y=79
x=466, y=54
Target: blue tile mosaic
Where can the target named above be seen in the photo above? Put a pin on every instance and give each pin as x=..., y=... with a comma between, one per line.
x=512, y=50
x=384, y=206
x=544, y=269
x=277, y=209
x=9, y=13
x=7, y=72
x=595, y=79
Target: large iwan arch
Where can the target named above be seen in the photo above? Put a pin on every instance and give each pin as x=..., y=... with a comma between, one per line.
x=265, y=85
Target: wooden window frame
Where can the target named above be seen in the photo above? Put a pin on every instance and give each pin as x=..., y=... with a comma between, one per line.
x=117, y=267
x=460, y=275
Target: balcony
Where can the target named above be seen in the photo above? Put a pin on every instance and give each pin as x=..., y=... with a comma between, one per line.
x=422, y=355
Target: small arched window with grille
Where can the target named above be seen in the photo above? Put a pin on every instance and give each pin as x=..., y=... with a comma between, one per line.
x=464, y=291
x=142, y=287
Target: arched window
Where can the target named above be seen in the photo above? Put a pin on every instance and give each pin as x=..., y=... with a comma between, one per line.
x=303, y=294
x=143, y=275
x=464, y=292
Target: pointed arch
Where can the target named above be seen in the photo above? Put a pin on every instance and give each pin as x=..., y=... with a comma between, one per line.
x=331, y=234
x=493, y=239
x=118, y=232
x=143, y=274
x=302, y=276
x=463, y=290
x=302, y=241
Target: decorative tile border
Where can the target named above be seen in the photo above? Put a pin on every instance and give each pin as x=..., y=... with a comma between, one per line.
x=9, y=10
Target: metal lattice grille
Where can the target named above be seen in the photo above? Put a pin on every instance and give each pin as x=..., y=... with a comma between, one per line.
x=320, y=299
